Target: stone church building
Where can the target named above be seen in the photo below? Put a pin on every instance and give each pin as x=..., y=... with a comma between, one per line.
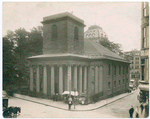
x=71, y=63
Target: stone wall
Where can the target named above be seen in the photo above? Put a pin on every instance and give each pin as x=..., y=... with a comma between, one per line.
x=65, y=42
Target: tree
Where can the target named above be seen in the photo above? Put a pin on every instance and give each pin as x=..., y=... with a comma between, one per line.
x=8, y=61
x=17, y=47
x=114, y=47
x=35, y=45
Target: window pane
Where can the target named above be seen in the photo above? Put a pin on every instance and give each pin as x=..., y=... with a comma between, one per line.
x=144, y=32
x=109, y=70
x=76, y=33
x=54, y=31
x=145, y=12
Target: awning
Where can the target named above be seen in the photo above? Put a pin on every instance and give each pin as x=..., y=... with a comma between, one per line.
x=73, y=93
x=144, y=87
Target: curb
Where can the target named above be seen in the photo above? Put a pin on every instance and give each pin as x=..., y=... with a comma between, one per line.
x=76, y=110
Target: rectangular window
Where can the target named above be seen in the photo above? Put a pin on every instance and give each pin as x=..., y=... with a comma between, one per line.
x=123, y=70
x=144, y=4
x=119, y=69
x=109, y=69
x=126, y=70
x=108, y=85
x=114, y=69
x=132, y=76
x=144, y=12
x=143, y=73
x=147, y=35
x=142, y=61
x=136, y=67
x=114, y=84
x=144, y=43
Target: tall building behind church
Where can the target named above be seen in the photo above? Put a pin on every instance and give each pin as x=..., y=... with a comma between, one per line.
x=96, y=34
x=144, y=82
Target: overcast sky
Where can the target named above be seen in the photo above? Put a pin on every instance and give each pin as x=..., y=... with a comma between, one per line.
x=120, y=20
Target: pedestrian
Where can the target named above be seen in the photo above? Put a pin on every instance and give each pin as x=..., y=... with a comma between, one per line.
x=70, y=102
x=141, y=106
x=131, y=110
x=56, y=96
x=137, y=112
x=146, y=110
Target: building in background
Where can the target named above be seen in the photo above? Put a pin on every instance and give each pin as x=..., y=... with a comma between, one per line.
x=134, y=57
x=144, y=81
x=69, y=62
x=95, y=33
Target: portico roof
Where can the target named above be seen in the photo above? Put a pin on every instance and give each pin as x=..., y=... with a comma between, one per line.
x=58, y=55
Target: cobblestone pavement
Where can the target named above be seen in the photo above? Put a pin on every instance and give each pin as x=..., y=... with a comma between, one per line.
x=117, y=109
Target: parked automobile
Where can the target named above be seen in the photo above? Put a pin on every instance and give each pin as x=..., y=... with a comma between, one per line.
x=132, y=84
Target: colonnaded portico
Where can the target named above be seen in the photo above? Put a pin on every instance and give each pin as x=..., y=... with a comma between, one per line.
x=50, y=79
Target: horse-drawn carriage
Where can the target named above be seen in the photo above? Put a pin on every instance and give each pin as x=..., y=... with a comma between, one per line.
x=9, y=112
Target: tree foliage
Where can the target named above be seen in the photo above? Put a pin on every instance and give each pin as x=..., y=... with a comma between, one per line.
x=17, y=47
x=114, y=47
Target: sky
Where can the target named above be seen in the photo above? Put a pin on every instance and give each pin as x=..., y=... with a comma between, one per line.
x=120, y=20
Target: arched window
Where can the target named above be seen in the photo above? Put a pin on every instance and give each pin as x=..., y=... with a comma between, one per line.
x=76, y=33
x=54, y=31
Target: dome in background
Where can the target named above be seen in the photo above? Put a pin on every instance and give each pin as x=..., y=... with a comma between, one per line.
x=95, y=33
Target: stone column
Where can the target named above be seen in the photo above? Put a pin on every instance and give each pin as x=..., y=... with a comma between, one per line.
x=75, y=77
x=80, y=80
x=69, y=79
x=96, y=79
x=100, y=79
x=85, y=78
x=31, y=78
x=89, y=83
x=60, y=80
x=52, y=80
x=45, y=80
x=37, y=79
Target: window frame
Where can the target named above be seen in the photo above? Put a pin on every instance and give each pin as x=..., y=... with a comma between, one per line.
x=54, y=32
x=76, y=33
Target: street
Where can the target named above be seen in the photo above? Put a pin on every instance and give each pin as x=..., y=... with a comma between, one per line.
x=117, y=109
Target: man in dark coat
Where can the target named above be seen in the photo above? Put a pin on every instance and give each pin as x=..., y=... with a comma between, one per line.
x=131, y=110
x=70, y=102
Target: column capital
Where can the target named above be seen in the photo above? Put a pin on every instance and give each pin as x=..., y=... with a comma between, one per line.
x=80, y=65
x=37, y=65
x=68, y=65
x=85, y=65
x=59, y=65
x=51, y=65
x=44, y=65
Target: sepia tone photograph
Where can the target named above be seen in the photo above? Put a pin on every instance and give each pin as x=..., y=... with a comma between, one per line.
x=75, y=59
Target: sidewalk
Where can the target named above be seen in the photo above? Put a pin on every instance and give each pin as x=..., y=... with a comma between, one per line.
x=64, y=106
